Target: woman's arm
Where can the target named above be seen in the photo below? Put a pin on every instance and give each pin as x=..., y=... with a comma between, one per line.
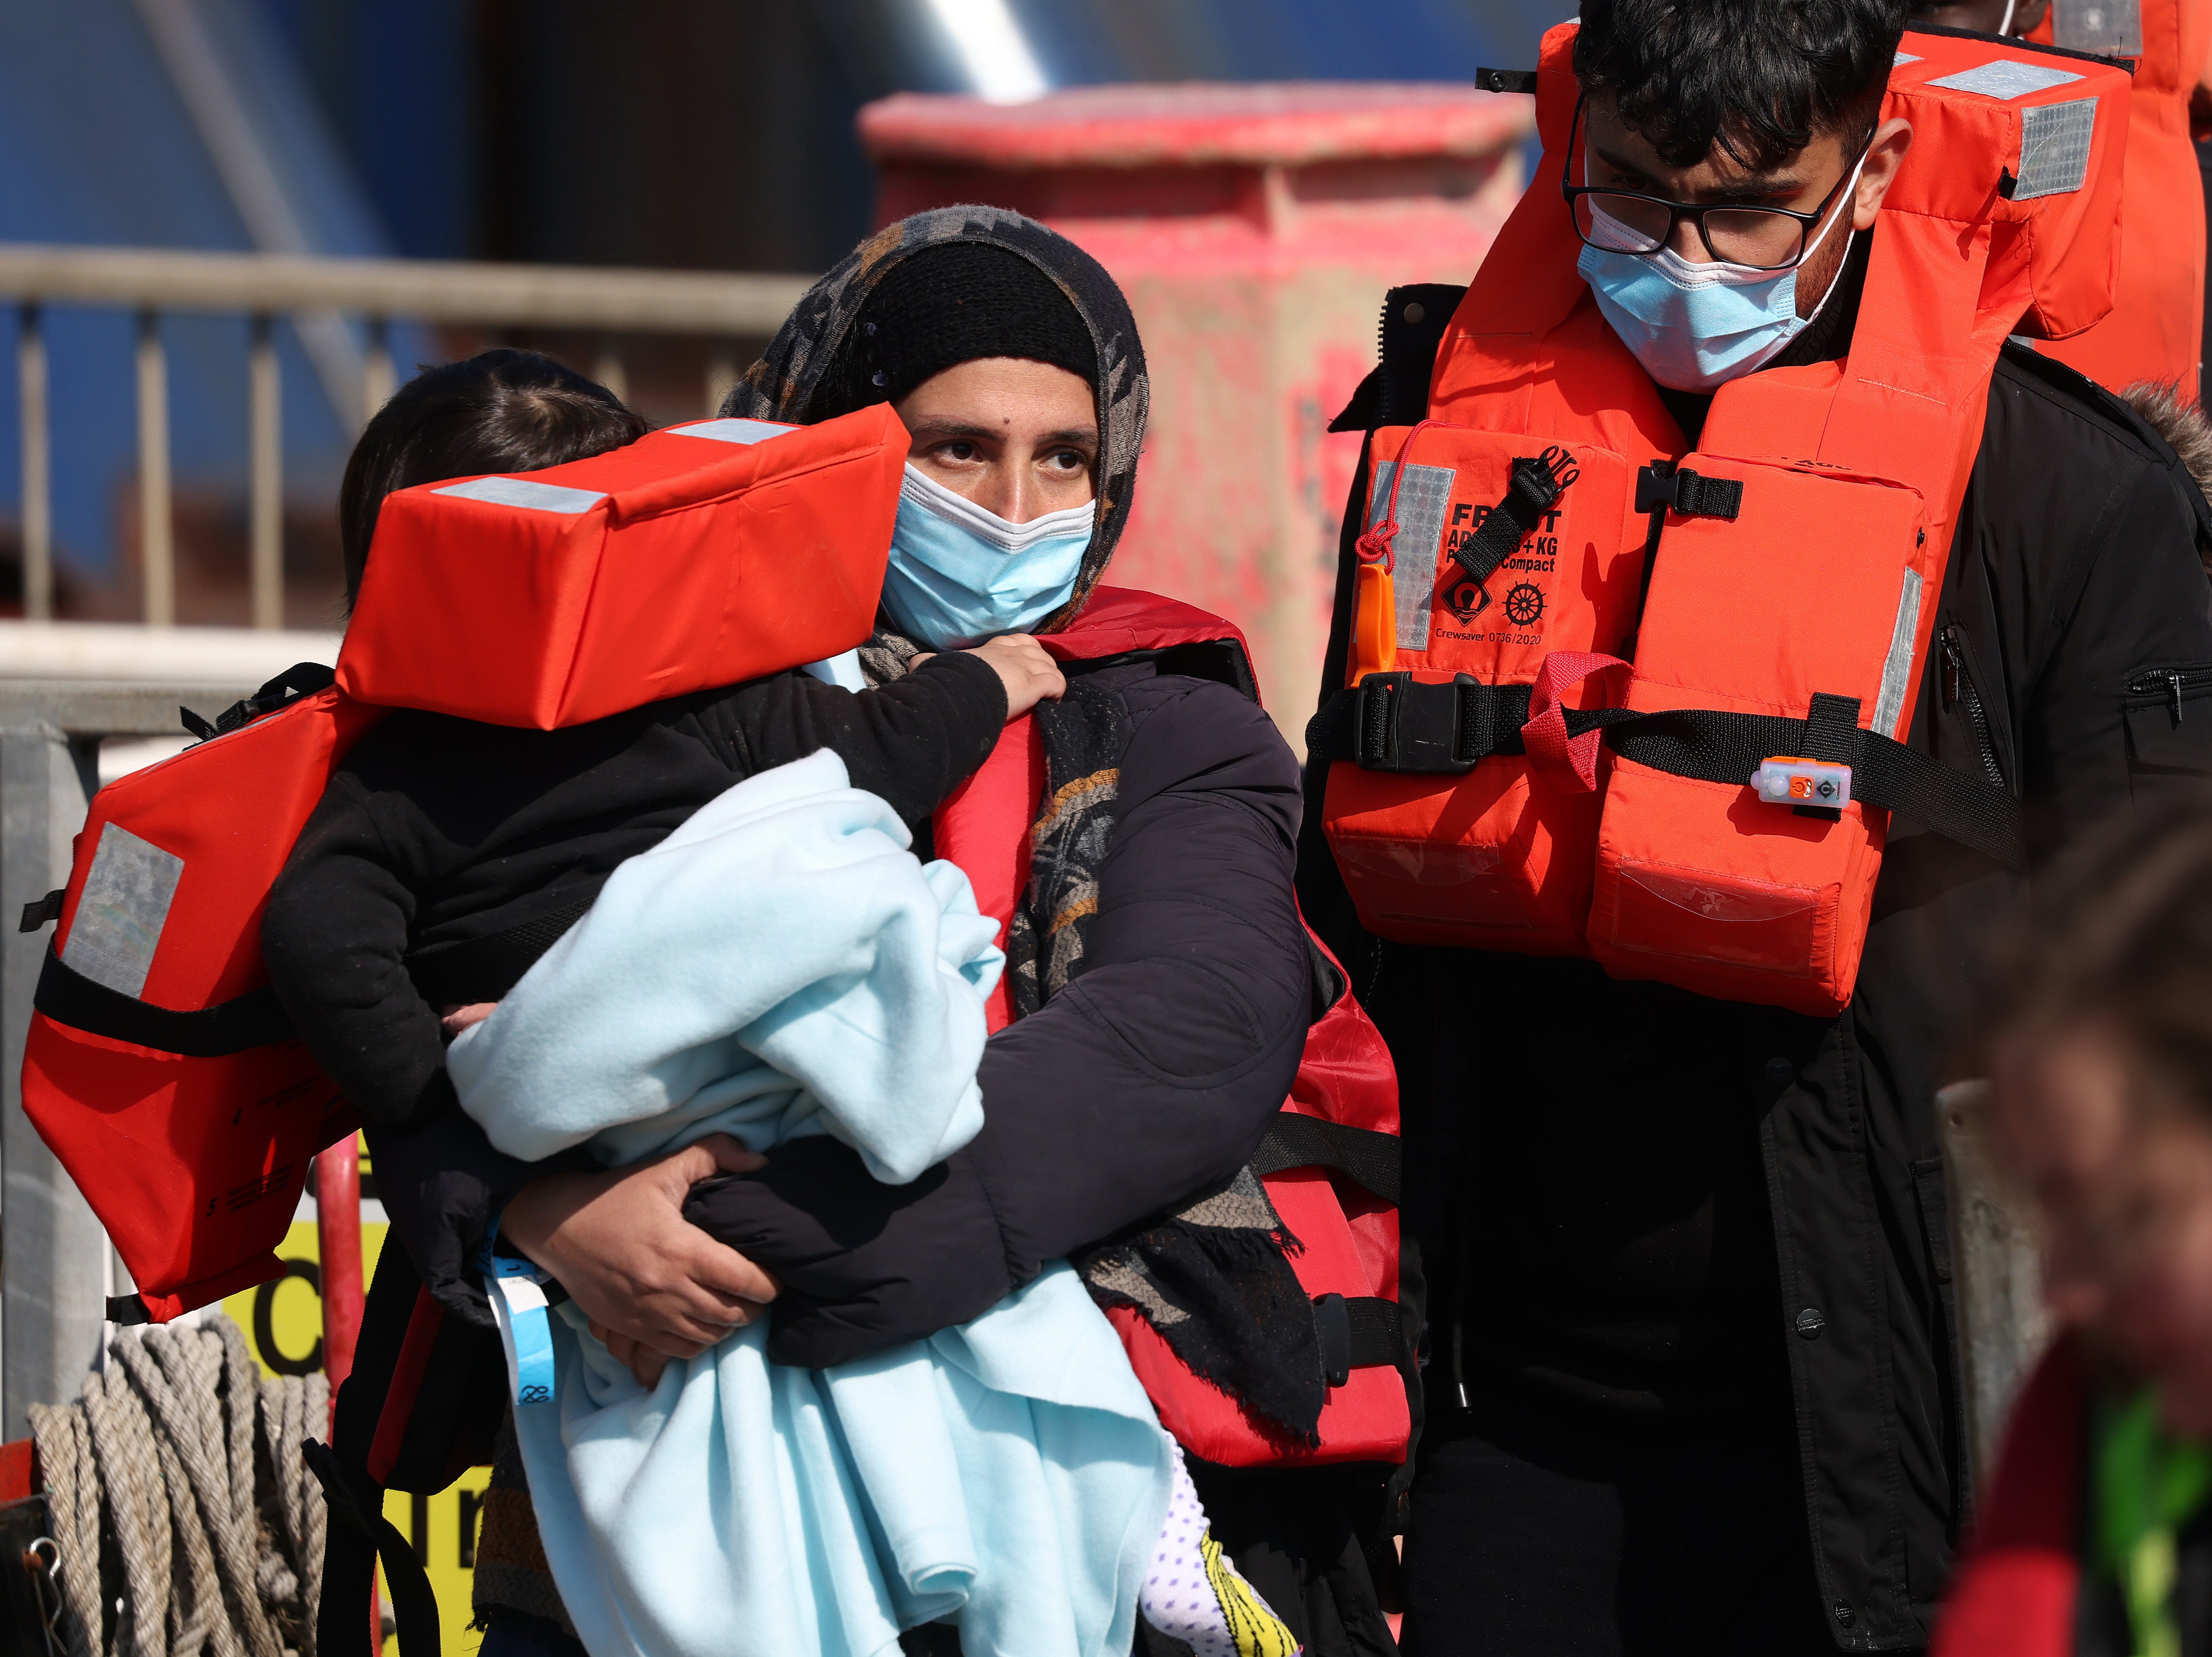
x=617, y=1243
x=1151, y=1076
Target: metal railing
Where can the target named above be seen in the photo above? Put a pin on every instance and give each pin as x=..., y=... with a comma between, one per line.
x=723, y=308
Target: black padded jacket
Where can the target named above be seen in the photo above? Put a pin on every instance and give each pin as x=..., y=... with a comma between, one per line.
x=1637, y=1204
x=1152, y=1075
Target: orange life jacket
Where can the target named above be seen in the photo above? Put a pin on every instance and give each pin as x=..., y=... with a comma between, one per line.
x=701, y=555
x=159, y=1068
x=1330, y=1163
x=1575, y=644
x=2156, y=330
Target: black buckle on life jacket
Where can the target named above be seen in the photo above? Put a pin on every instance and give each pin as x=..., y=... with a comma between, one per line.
x=1691, y=495
x=1536, y=483
x=42, y=912
x=1361, y=1332
x=1401, y=725
x=1505, y=79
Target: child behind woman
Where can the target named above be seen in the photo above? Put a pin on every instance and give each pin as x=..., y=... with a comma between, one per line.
x=2094, y=1532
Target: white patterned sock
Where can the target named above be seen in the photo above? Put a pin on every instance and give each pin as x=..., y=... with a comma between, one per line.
x=1194, y=1595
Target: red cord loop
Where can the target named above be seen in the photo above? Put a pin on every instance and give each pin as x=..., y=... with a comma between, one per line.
x=1373, y=547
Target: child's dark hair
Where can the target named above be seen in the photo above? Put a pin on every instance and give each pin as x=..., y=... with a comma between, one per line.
x=499, y=411
x=2119, y=935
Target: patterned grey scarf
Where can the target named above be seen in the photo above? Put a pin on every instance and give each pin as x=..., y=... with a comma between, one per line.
x=1213, y=1280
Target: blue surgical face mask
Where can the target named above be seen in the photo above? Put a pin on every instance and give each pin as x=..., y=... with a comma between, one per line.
x=1695, y=327
x=959, y=573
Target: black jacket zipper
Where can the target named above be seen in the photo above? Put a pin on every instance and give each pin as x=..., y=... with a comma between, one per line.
x=1958, y=684
x=2169, y=684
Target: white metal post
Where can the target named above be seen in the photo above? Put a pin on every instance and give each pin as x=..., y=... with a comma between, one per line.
x=266, y=474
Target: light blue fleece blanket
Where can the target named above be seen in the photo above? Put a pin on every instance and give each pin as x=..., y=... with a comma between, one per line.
x=780, y=965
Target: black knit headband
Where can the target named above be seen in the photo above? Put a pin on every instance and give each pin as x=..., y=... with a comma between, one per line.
x=952, y=304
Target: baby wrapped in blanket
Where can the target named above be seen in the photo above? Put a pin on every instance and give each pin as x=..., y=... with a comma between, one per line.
x=782, y=965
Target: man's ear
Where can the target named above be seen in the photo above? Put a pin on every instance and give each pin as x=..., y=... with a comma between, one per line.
x=1884, y=156
x=2030, y=15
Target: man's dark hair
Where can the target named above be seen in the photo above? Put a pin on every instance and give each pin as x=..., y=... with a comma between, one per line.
x=499, y=411
x=1761, y=78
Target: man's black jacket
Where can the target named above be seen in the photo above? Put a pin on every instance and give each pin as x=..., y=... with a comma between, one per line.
x=1582, y=1138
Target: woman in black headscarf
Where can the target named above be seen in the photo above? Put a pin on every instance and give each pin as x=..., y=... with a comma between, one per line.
x=1161, y=978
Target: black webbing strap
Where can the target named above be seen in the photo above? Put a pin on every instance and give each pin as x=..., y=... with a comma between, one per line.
x=359, y=1535
x=300, y=679
x=1394, y=722
x=484, y=969
x=252, y=1020
x=1371, y=1161
x=1830, y=722
x=1727, y=748
x=1356, y=1332
x=1538, y=481
x=1389, y=723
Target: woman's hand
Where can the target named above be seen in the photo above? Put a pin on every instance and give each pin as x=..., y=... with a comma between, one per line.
x=638, y=1270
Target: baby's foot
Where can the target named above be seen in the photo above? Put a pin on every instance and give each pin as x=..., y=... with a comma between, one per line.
x=1192, y=1593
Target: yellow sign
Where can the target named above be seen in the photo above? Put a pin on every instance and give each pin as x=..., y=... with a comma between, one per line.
x=284, y=1325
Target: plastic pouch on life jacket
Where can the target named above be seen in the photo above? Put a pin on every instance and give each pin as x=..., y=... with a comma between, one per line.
x=158, y=1068
x=1703, y=883
x=1480, y=855
x=702, y=556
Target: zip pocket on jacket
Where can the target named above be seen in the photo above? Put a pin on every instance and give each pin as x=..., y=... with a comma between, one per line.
x=2168, y=715
x=1958, y=686
x=2174, y=686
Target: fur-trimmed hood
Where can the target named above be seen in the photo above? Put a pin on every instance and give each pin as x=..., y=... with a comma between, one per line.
x=2187, y=432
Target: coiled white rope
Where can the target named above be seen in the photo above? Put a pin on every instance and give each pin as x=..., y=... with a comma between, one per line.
x=184, y=1519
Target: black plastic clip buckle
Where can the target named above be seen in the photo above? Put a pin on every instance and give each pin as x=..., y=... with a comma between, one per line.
x=1332, y=1333
x=1402, y=726
x=1505, y=79
x=1690, y=494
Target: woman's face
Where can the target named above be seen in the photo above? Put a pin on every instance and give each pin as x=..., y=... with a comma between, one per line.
x=2125, y=1196
x=1018, y=438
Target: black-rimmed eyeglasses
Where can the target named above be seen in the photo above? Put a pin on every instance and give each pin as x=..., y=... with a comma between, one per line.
x=1628, y=221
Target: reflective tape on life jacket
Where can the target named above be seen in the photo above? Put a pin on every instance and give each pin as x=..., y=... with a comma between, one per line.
x=1330, y=1162
x=159, y=1068
x=701, y=555
x=1577, y=641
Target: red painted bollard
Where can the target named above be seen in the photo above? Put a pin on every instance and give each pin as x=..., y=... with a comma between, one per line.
x=338, y=1237
x=1254, y=229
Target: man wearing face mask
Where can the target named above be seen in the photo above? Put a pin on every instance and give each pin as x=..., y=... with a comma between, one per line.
x=1723, y=468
